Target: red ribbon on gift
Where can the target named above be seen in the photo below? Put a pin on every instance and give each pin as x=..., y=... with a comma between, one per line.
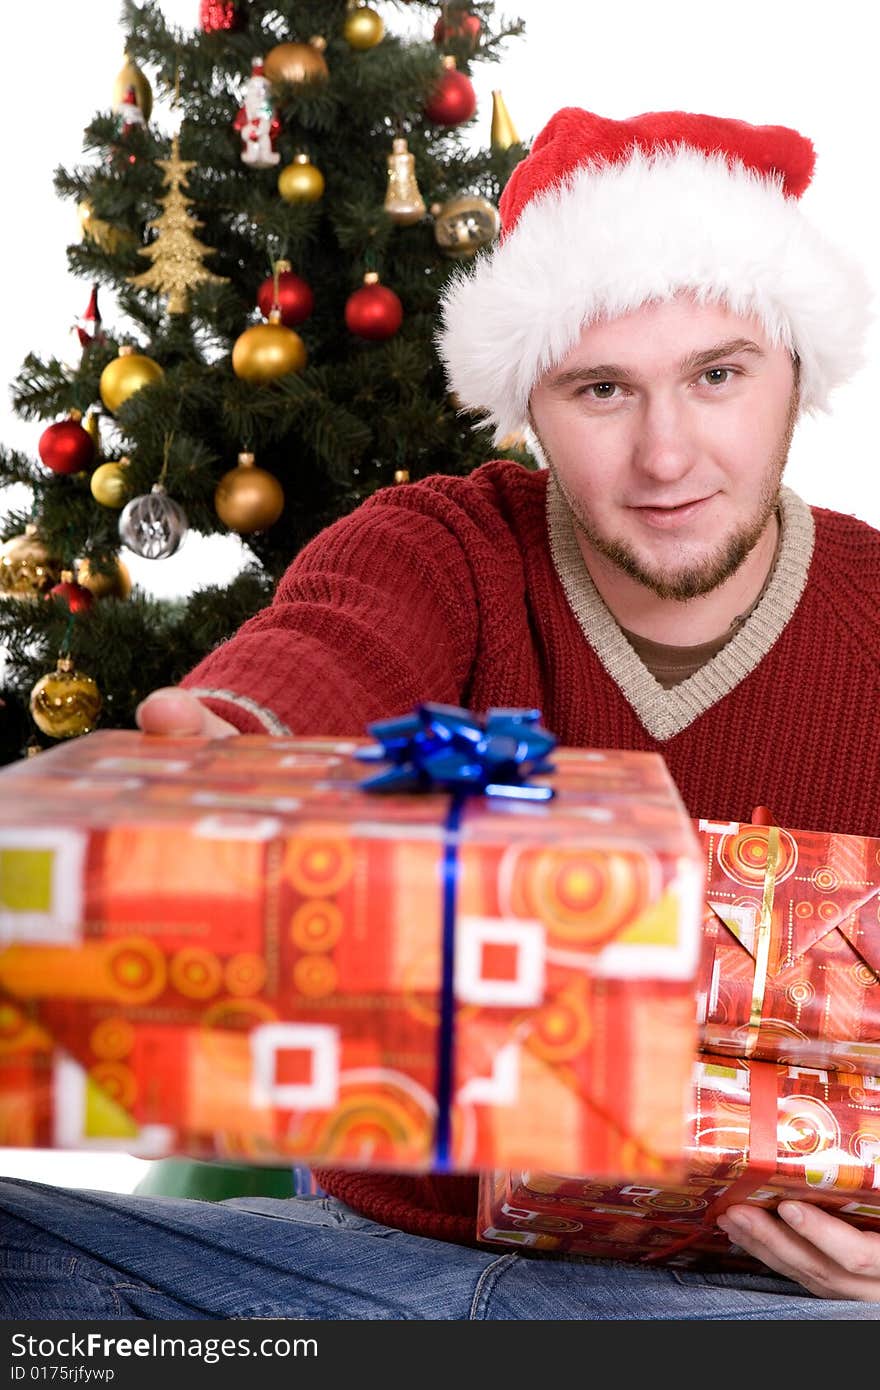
x=761, y=1159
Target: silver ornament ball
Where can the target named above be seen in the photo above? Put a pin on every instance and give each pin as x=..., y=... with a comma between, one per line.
x=153, y=526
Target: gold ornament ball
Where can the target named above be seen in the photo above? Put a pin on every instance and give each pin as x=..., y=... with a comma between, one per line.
x=301, y=181
x=248, y=498
x=465, y=224
x=125, y=375
x=66, y=702
x=114, y=585
x=268, y=350
x=108, y=484
x=363, y=28
x=27, y=570
x=297, y=62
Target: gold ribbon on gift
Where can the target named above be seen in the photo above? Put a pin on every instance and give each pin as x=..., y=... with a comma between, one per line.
x=762, y=941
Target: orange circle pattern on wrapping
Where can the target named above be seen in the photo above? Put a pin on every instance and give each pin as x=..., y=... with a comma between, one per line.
x=195, y=972
x=117, y=1081
x=137, y=969
x=316, y=925
x=562, y=1028
x=369, y=1123
x=671, y=1203
x=864, y=975
x=315, y=976
x=112, y=1039
x=543, y=1221
x=583, y=896
x=12, y=1022
x=232, y=1016
x=318, y=867
x=244, y=973
x=810, y=1127
x=743, y=856
x=800, y=992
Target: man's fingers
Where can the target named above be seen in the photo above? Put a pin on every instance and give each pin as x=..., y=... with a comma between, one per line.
x=856, y=1251
x=782, y=1248
x=177, y=714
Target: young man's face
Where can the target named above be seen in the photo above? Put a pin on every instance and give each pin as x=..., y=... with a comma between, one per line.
x=668, y=432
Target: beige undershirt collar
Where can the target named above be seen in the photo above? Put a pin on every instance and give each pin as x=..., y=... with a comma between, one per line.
x=665, y=713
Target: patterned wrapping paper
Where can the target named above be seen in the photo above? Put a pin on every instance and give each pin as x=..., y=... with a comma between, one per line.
x=229, y=948
x=791, y=951
x=760, y=1131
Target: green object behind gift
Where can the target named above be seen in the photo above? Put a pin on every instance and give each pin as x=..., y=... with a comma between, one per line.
x=214, y=1182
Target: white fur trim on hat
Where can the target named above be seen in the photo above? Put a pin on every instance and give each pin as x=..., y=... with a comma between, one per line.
x=611, y=237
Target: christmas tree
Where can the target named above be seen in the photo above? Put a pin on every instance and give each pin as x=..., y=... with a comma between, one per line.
x=276, y=262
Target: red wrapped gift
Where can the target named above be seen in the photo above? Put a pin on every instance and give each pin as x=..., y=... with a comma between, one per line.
x=791, y=956
x=760, y=1132
x=229, y=947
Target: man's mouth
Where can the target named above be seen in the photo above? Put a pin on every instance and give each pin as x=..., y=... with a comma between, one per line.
x=670, y=513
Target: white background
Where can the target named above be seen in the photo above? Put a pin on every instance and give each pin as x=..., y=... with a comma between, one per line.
x=807, y=65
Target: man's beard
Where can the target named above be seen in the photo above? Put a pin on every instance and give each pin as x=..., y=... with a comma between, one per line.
x=716, y=568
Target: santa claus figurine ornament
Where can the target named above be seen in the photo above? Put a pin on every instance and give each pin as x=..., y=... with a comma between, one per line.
x=257, y=122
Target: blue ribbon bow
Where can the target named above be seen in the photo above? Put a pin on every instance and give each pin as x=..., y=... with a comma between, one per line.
x=441, y=747
x=444, y=748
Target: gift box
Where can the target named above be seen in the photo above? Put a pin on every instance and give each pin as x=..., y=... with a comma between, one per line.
x=759, y=1132
x=791, y=952
x=232, y=948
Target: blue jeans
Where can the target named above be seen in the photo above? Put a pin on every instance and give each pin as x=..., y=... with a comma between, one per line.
x=67, y=1253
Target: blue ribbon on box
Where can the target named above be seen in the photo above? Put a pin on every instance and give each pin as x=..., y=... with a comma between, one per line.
x=444, y=748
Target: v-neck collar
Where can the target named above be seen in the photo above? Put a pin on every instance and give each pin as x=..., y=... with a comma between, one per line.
x=665, y=713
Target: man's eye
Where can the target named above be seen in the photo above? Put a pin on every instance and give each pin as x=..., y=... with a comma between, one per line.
x=718, y=376
x=602, y=390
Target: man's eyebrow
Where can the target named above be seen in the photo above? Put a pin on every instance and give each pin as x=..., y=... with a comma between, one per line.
x=611, y=371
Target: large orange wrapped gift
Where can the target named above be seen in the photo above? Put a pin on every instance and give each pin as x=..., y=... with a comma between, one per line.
x=791, y=955
x=231, y=947
x=759, y=1132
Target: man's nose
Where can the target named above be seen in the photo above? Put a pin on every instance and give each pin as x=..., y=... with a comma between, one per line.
x=664, y=448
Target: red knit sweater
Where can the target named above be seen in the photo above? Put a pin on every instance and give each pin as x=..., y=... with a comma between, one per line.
x=446, y=590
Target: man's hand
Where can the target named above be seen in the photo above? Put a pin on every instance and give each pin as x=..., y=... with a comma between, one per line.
x=177, y=714
x=824, y=1253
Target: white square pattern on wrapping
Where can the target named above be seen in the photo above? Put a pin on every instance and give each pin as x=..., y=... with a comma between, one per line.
x=59, y=921
x=525, y=987
x=270, y=1040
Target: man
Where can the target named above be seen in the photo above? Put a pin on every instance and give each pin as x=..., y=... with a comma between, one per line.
x=656, y=315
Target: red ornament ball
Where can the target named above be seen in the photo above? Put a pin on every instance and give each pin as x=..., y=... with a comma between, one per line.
x=453, y=99
x=373, y=311
x=458, y=26
x=76, y=597
x=66, y=447
x=221, y=16
x=295, y=298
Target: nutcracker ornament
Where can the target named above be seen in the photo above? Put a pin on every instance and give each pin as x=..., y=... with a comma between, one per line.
x=130, y=114
x=88, y=326
x=257, y=122
x=130, y=75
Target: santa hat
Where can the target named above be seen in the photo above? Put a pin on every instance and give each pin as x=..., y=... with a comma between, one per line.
x=603, y=216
